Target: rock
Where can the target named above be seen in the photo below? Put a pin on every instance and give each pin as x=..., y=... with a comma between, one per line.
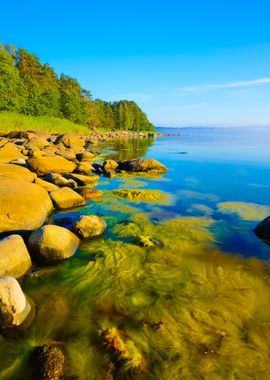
x=60, y=181
x=14, y=307
x=14, y=257
x=9, y=152
x=46, y=185
x=89, y=226
x=50, y=362
x=88, y=193
x=85, y=156
x=142, y=165
x=24, y=206
x=71, y=141
x=262, y=230
x=36, y=142
x=82, y=180
x=66, y=198
x=66, y=153
x=84, y=168
x=51, y=244
x=109, y=166
x=44, y=165
x=16, y=172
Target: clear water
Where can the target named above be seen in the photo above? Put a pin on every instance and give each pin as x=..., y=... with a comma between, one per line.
x=195, y=308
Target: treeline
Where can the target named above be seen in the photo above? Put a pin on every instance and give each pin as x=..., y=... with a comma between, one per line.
x=29, y=87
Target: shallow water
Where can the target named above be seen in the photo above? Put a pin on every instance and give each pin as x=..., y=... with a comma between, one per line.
x=196, y=306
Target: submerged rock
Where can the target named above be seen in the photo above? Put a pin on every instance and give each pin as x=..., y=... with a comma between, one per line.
x=14, y=257
x=49, y=361
x=51, y=244
x=14, y=307
x=23, y=206
x=89, y=226
x=44, y=165
x=262, y=230
x=142, y=165
x=88, y=193
x=66, y=198
x=148, y=242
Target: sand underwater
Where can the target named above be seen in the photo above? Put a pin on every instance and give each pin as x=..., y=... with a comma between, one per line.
x=178, y=287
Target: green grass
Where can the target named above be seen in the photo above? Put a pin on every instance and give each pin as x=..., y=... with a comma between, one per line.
x=10, y=121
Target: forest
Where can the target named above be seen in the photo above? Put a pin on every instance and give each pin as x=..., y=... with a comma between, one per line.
x=31, y=88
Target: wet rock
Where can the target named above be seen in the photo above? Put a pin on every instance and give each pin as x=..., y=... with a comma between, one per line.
x=44, y=165
x=49, y=361
x=14, y=257
x=66, y=198
x=142, y=165
x=51, y=244
x=262, y=230
x=109, y=166
x=24, y=206
x=14, y=306
x=89, y=226
x=88, y=193
x=16, y=172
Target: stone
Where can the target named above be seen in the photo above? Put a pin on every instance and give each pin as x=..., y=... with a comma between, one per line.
x=45, y=184
x=109, y=166
x=89, y=226
x=84, y=168
x=9, y=152
x=70, y=141
x=66, y=198
x=50, y=362
x=51, y=244
x=44, y=165
x=60, y=181
x=81, y=179
x=66, y=153
x=88, y=193
x=24, y=206
x=142, y=165
x=16, y=172
x=262, y=230
x=14, y=306
x=85, y=156
x=14, y=257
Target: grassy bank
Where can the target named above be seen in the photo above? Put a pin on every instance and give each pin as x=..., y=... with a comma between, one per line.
x=10, y=121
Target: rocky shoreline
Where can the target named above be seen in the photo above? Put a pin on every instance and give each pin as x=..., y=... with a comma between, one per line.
x=41, y=173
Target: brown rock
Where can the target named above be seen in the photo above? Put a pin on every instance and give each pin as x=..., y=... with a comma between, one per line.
x=44, y=165
x=66, y=198
x=16, y=172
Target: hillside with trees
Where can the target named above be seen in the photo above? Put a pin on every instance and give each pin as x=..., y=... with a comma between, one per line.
x=31, y=88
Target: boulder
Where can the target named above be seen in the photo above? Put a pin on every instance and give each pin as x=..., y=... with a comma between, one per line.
x=9, y=152
x=262, y=230
x=14, y=257
x=24, y=206
x=66, y=198
x=46, y=185
x=36, y=142
x=14, y=306
x=51, y=244
x=89, y=226
x=109, y=166
x=142, y=165
x=60, y=181
x=16, y=172
x=88, y=193
x=85, y=156
x=84, y=168
x=82, y=180
x=71, y=141
x=66, y=153
x=44, y=165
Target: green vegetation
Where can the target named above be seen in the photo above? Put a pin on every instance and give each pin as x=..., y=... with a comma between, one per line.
x=31, y=88
x=245, y=210
x=154, y=196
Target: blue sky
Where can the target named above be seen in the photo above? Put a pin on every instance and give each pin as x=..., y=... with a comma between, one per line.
x=193, y=62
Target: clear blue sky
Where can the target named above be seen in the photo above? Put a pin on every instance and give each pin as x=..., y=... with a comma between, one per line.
x=192, y=62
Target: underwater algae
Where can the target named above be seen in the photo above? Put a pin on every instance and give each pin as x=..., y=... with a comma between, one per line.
x=143, y=195
x=245, y=210
x=180, y=311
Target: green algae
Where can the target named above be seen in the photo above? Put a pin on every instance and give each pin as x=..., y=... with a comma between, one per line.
x=143, y=195
x=129, y=183
x=245, y=210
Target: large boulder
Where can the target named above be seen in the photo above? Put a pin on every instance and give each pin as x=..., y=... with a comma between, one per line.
x=71, y=141
x=51, y=244
x=36, y=142
x=14, y=257
x=46, y=185
x=66, y=198
x=142, y=165
x=44, y=165
x=14, y=306
x=88, y=193
x=89, y=226
x=262, y=230
x=16, y=172
x=68, y=154
x=9, y=152
x=81, y=179
x=24, y=206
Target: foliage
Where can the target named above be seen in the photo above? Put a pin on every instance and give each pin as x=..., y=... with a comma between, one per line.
x=29, y=87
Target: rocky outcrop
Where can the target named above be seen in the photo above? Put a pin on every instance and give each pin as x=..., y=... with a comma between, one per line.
x=142, y=165
x=16, y=172
x=89, y=226
x=51, y=244
x=88, y=193
x=24, y=206
x=14, y=257
x=44, y=165
x=14, y=306
x=66, y=198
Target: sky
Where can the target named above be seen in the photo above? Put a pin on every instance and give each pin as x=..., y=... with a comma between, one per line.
x=186, y=63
